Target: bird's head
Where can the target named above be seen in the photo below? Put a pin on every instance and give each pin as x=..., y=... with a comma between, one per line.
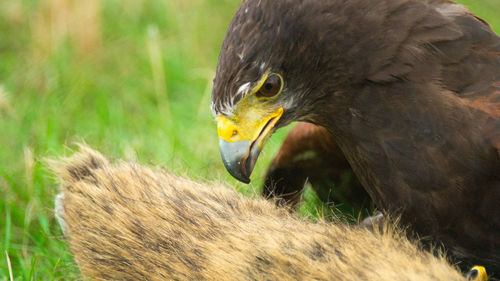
x=275, y=67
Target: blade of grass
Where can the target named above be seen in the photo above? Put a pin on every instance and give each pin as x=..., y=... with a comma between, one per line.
x=9, y=265
x=31, y=275
x=8, y=229
x=157, y=68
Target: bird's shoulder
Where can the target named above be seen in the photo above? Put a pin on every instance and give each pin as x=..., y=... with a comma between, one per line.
x=444, y=44
x=471, y=71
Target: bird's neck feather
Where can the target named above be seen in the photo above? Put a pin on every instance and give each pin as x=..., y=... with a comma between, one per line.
x=414, y=129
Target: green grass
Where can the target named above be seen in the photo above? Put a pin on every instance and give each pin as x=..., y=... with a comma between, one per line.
x=136, y=86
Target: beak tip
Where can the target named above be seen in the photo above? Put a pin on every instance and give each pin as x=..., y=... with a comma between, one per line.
x=237, y=172
x=244, y=180
x=237, y=160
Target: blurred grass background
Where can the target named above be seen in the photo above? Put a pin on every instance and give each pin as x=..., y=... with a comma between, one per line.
x=131, y=78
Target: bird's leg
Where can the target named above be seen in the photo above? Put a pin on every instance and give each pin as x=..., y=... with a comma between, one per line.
x=309, y=153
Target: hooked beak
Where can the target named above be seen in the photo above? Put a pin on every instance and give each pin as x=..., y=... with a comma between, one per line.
x=241, y=141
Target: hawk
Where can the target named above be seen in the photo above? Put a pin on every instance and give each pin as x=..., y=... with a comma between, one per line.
x=408, y=89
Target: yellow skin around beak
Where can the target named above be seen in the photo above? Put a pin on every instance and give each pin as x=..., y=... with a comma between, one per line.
x=242, y=137
x=246, y=128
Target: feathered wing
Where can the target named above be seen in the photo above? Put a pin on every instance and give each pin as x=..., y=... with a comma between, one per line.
x=451, y=60
x=471, y=71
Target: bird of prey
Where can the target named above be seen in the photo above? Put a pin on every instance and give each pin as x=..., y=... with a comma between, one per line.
x=409, y=90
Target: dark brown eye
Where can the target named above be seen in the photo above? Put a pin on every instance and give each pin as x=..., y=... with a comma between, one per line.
x=271, y=87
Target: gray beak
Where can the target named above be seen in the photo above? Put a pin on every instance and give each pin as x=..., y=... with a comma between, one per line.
x=239, y=158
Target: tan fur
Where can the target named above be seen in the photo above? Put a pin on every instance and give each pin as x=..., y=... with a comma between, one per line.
x=127, y=222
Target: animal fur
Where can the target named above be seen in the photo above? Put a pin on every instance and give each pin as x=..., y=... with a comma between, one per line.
x=124, y=221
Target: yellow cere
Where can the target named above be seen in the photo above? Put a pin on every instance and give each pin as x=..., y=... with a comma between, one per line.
x=247, y=127
x=250, y=118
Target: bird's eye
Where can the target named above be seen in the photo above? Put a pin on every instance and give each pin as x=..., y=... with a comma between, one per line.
x=271, y=87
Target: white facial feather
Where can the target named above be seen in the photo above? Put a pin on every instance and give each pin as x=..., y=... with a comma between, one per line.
x=243, y=89
x=262, y=66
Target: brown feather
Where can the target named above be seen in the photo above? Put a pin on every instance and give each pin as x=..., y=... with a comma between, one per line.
x=409, y=91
